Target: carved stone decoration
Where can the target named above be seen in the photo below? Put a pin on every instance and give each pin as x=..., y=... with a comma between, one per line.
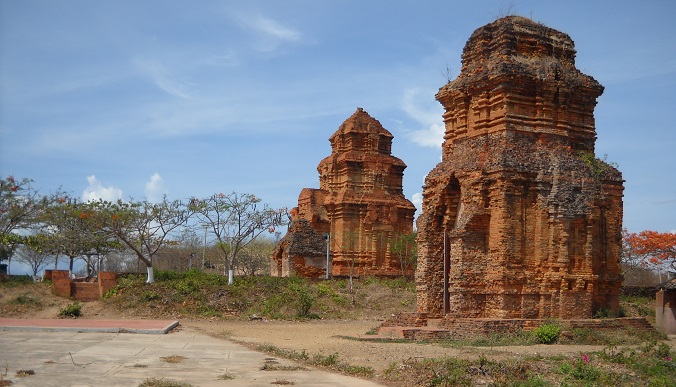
x=520, y=220
x=359, y=203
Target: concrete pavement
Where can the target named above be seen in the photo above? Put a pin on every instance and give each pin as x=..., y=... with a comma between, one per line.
x=88, y=325
x=72, y=358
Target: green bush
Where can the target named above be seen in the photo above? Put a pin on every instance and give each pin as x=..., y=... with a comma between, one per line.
x=71, y=310
x=150, y=295
x=547, y=333
x=324, y=289
x=304, y=301
x=583, y=370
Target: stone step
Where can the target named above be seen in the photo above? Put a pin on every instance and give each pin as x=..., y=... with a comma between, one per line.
x=412, y=333
x=391, y=332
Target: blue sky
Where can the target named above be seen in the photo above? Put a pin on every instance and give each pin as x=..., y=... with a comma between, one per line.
x=143, y=98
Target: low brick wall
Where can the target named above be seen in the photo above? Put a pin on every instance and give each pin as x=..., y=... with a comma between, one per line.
x=64, y=286
x=415, y=326
x=406, y=319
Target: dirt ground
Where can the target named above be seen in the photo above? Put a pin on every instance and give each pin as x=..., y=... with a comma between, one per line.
x=326, y=337
x=329, y=337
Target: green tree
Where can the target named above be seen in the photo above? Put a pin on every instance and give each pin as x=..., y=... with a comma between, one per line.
x=235, y=220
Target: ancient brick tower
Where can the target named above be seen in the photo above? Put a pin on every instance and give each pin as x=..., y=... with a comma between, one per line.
x=520, y=220
x=360, y=203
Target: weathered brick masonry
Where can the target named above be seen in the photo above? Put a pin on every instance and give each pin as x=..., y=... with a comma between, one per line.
x=417, y=326
x=532, y=220
x=360, y=203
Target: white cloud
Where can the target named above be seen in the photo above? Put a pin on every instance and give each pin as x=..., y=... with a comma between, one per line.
x=428, y=116
x=159, y=75
x=155, y=190
x=95, y=191
x=271, y=34
x=274, y=29
x=417, y=200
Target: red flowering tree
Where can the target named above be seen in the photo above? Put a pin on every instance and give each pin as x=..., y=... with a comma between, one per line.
x=69, y=233
x=651, y=248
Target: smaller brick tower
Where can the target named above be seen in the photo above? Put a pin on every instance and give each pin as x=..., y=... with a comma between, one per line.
x=360, y=203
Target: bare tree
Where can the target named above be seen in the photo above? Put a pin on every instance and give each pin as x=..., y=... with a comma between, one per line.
x=120, y=262
x=349, y=250
x=405, y=248
x=20, y=206
x=143, y=227
x=255, y=257
x=35, y=259
x=235, y=220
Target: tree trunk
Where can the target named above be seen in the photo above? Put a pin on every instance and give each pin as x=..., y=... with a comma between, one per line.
x=151, y=275
x=70, y=266
x=231, y=275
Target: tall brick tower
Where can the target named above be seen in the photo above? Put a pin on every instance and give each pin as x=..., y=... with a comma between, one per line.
x=360, y=203
x=520, y=219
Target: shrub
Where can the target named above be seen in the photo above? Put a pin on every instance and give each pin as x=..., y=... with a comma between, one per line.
x=73, y=310
x=584, y=370
x=324, y=289
x=150, y=295
x=547, y=333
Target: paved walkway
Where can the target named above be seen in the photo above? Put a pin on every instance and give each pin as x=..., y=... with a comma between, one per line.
x=75, y=356
x=87, y=325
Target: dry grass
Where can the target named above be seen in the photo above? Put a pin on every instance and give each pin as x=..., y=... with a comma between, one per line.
x=155, y=382
x=173, y=359
x=283, y=382
x=227, y=376
x=24, y=373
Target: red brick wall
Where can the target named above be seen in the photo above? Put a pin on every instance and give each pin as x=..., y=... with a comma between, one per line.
x=665, y=311
x=64, y=286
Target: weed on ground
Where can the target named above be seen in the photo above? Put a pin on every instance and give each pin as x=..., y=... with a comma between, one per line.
x=155, y=382
x=173, y=359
